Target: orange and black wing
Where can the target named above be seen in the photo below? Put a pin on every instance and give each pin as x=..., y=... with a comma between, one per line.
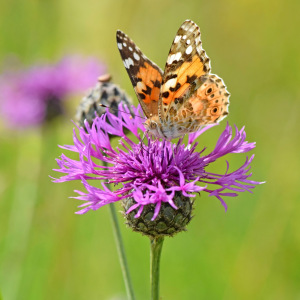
x=146, y=76
x=186, y=62
x=189, y=93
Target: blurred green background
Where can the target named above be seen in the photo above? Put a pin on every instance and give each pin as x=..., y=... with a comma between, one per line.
x=250, y=252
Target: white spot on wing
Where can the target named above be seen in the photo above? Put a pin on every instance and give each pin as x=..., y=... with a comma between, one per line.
x=184, y=37
x=189, y=50
x=177, y=56
x=188, y=41
x=120, y=46
x=171, y=58
x=141, y=86
x=177, y=38
x=128, y=62
x=170, y=83
x=130, y=48
x=136, y=56
x=124, y=44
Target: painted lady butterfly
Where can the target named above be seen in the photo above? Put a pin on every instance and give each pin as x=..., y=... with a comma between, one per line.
x=185, y=96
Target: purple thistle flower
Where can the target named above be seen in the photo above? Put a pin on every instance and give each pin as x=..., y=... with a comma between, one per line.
x=151, y=172
x=30, y=97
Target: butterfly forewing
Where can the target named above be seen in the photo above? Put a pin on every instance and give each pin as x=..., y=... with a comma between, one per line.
x=146, y=76
x=186, y=62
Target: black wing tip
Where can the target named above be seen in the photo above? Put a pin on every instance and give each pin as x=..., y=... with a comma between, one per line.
x=119, y=34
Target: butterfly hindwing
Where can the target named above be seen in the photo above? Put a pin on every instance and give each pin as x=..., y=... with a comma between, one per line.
x=206, y=101
x=146, y=76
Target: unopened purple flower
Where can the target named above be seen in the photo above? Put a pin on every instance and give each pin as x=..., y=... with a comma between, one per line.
x=30, y=97
x=149, y=171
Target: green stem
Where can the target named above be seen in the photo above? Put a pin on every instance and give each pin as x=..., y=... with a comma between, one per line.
x=156, y=247
x=121, y=252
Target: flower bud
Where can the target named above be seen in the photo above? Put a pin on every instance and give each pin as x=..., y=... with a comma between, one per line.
x=169, y=220
x=106, y=93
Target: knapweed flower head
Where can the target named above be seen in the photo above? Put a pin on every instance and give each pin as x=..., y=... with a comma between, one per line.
x=29, y=97
x=149, y=172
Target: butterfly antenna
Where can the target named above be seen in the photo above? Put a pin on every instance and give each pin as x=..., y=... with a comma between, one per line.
x=116, y=109
x=142, y=141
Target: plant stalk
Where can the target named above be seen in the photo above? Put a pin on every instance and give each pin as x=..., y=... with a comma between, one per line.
x=156, y=247
x=121, y=252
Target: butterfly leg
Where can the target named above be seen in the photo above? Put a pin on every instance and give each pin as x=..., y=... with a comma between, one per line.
x=173, y=153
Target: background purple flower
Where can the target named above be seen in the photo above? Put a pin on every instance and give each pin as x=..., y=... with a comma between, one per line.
x=150, y=172
x=29, y=97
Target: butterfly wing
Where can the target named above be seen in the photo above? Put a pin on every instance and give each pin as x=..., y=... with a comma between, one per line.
x=205, y=102
x=186, y=62
x=146, y=76
x=189, y=93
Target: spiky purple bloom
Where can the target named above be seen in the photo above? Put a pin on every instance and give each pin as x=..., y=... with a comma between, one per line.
x=30, y=97
x=149, y=172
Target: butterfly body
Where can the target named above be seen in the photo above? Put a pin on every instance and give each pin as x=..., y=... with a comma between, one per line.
x=185, y=96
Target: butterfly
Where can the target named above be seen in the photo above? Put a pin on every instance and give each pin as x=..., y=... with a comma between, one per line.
x=183, y=98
